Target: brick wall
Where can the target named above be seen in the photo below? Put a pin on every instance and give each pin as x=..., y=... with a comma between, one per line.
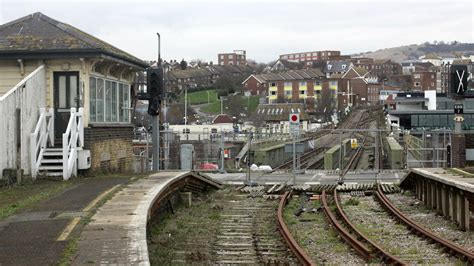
x=111, y=148
x=458, y=150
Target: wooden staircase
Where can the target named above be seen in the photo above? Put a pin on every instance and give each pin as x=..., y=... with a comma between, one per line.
x=52, y=162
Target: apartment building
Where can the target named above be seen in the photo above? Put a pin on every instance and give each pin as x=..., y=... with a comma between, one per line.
x=238, y=57
x=381, y=68
x=424, y=80
x=309, y=57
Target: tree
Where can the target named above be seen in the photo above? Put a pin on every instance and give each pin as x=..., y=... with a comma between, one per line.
x=183, y=64
x=176, y=114
x=235, y=107
x=228, y=83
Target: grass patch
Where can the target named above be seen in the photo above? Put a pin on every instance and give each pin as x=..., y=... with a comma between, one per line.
x=18, y=197
x=352, y=202
x=69, y=251
x=200, y=97
x=215, y=107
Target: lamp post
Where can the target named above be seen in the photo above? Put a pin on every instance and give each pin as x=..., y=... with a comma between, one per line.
x=186, y=111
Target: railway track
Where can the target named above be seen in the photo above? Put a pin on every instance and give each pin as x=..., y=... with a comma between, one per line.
x=248, y=235
x=299, y=252
x=423, y=232
x=308, y=160
x=361, y=243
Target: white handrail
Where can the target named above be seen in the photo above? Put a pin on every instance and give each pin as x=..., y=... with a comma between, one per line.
x=44, y=131
x=73, y=139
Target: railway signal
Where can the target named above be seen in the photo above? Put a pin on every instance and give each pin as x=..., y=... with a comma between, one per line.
x=294, y=124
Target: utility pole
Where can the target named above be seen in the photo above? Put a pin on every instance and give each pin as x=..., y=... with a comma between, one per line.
x=222, y=151
x=294, y=160
x=341, y=158
x=156, y=125
x=186, y=111
x=249, y=139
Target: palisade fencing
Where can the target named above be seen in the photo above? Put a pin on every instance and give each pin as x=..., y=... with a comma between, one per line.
x=209, y=150
x=427, y=149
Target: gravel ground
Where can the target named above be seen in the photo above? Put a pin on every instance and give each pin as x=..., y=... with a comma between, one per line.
x=445, y=228
x=375, y=223
x=312, y=231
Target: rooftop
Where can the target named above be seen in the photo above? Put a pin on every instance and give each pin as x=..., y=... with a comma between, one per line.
x=39, y=36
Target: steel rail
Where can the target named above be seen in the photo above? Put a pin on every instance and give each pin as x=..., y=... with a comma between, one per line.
x=420, y=230
x=360, y=247
x=386, y=257
x=303, y=258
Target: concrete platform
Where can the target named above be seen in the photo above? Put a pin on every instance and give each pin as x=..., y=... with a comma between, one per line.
x=450, y=194
x=443, y=176
x=117, y=233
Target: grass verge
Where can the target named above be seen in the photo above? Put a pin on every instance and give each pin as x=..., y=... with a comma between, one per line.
x=200, y=97
x=18, y=197
x=215, y=107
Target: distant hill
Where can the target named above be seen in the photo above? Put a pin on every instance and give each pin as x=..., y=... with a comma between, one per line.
x=414, y=51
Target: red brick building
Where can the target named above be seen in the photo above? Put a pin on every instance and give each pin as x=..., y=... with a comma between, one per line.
x=423, y=80
x=381, y=68
x=309, y=57
x=238, y=57
x=255, y=84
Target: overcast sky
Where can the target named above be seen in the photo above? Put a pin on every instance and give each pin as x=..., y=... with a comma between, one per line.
x=201, y=29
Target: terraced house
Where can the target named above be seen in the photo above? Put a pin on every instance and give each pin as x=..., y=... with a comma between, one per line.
x=65, y=99
x=308, y=86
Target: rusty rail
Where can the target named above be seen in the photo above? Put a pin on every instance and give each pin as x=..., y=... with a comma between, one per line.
x=303, y=258
x=448, y=245
x=360, y=247
x=386, y=257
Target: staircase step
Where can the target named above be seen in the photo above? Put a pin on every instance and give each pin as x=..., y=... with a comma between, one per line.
x=54, y=174
x=54, y=149
x=50, y=167
x=52, y=161
x=52, y=153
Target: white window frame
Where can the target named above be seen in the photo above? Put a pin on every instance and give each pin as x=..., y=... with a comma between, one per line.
x=120, y=105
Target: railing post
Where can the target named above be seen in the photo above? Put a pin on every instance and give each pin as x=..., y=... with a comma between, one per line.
x=33, y=155
x=51, y=126
x=81, y=127
x=65, y=157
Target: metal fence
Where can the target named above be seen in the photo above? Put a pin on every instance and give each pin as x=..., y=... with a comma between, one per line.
x=427, y=149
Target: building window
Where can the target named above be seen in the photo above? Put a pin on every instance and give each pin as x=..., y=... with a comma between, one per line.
x=273, y=92
x=231, y=56
x=302, y=92
x=288, y=84
x=317, y=83
x=222, y=56
x=288, y=93
x=273, y=84
x=109, y=101
x=417, y=84
x=302, y=83
x=417, y=76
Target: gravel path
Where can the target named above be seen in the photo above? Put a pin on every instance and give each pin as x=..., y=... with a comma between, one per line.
x=320, y=241
x=431, y=220
x=375, y=223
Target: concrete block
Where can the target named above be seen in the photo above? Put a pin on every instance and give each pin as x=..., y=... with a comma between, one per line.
x=187, y=198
